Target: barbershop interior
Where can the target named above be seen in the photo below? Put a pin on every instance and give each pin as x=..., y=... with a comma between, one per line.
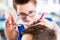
x=49, y=7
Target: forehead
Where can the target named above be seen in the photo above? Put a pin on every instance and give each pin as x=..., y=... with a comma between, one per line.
x=27, y=37
x=26, y=7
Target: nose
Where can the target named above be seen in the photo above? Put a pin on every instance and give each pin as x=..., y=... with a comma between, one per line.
x=26, y=17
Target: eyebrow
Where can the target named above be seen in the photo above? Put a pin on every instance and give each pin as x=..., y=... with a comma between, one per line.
x=25, y=13
x=30, y=12
x=22, y=13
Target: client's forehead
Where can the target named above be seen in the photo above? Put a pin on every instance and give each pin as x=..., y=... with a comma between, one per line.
x=27, y=37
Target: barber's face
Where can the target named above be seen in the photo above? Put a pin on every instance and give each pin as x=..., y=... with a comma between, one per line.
x=27, y=37
x=27, y=12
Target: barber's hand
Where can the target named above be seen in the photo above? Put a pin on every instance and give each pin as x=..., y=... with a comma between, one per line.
x=11, y=30
x=49, y=24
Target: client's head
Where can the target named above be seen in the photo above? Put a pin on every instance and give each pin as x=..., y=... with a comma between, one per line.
x=38, y=32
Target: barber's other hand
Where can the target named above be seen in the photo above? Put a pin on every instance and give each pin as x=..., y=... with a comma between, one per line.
x=11, y=30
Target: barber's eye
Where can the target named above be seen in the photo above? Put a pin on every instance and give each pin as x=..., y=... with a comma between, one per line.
x=30, y=12
x=22, y=13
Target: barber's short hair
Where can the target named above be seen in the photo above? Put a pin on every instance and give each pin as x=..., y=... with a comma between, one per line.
x=21, y=2
x=40, y=32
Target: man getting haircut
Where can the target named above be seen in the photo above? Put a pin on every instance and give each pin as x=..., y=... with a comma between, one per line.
x=38, y=32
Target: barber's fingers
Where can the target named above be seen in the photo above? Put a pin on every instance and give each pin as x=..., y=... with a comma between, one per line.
x=8, y=25
x=8, y=21
x=13, y=20
x=47, y=23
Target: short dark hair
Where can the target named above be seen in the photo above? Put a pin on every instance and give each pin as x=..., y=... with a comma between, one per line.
x=40, y=32
x=21, y=2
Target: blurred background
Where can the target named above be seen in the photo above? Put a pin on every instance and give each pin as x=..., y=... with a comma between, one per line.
x=50, y=7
